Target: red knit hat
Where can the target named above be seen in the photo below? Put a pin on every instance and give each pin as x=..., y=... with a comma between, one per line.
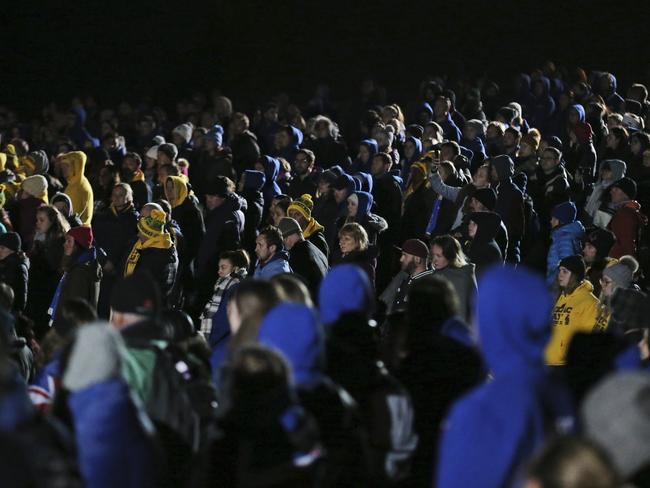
x=82, y=235
x=583, y=132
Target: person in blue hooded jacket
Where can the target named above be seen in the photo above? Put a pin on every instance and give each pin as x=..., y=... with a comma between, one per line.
x=271, y=169
x=272, y=258
x=472, y=139
x=542, y=106
x=490, y=433
x=567, y=235
x=359, y=211
x=114, y=438
x=412, y=151
x=287, y=142
x=510, y=203
x=367, y=149
x=352, y=361
x=605, y=85
x=293, y=330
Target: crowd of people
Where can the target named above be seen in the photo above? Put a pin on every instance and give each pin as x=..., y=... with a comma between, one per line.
x=445, y=292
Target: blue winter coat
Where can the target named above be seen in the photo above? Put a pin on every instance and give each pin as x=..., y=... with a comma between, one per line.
x=114, y=445
x=278, y=264
x=491, y=432
x=565, y=241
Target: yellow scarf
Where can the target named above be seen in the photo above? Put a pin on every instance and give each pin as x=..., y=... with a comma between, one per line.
x=163, y=241
x=137, y=176
x=180, y=191
x=312, y=228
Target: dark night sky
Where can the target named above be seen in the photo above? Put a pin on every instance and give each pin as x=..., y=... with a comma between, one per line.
x=254, y=48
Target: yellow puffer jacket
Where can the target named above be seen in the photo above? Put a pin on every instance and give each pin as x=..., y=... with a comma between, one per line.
x=79, y=189
x=573, y=312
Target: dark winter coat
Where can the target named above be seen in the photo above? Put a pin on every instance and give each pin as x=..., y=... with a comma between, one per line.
x=245, y=151
x=14, y=271
x=44, y=275
x=309, y=262
x=23, y=219
x=114, y=231
x=483, y=249
x=190, y=219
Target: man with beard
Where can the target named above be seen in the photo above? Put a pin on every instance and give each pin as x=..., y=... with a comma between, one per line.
x=415, y=263
x=303, y=181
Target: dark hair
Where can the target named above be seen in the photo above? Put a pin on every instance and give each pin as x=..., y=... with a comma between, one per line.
x=620, y=133
x=451, y=250
x=239, y=258
x=291, y=288
x=573, y=462
x=273, y=237
x=172, y=169
x=385, y=157
x=515, y=132
x=135, y=157
x=557, y=154
x=253, y=299
x=454, y=145
x=309, y=155
x=431, y=301
x=77, y=311
x=59, y=225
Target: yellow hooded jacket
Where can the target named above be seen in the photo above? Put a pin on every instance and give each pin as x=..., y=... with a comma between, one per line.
x=79, y=189
x=573, y=312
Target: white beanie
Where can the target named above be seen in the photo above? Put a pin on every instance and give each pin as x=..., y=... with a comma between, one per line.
x=152, y=153
x=185, y=131
x=35, y=185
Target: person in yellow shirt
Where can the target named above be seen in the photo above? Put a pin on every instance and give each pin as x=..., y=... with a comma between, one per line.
x=575, y=310
x=78, y=188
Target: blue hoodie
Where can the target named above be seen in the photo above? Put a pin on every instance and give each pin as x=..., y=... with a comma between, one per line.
x=292, y=329
x=271, y=172
x=289, y=152
x=345, y=289
x=407, y=162
x=580, y=110
x=566, y=240
x=278, y=264
x=115, y=447
x=254, y=180
x=494, y=429
x=365, y=179
x=358, y=165
x=365, y=204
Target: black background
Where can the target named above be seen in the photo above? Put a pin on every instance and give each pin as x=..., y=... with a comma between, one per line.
x=252, y=49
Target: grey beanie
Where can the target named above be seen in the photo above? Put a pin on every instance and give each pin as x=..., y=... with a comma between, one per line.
x=622, y=273
x=96, y=356
x=616, y=415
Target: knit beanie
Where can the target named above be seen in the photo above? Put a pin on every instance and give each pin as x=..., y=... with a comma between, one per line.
x=622, y=273
x=602, y=240
x=11, y=240
x=565, y=212
x=137, y=293
x=576, y=265
x=531, y=139
x=154, y=225
x=152, y=152
x=218, y=186
x=215, y=134
x=38, y=161
x=35, y=186
x=627, y=186
x=288, y=226
x=169, y=149
x=96, y=357
x=82, y=235
x=487, y=197
x=304, y=205
x=185, y=131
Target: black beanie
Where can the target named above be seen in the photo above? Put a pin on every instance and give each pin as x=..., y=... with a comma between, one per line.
x=137, y=293
x=602, y=240
x=576, y=265
x=627, y=185
x=218, y=186
x=487, y=197
x=10, y=240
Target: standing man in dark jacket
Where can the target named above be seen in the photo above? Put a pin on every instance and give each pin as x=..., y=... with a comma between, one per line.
x=224, y=229
x=510, y=204
x=154, y=250
x=305, y=258
x=114, y=228
x=133, y=175
x=303, y=180
x=243, y=143
x=250, y=187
